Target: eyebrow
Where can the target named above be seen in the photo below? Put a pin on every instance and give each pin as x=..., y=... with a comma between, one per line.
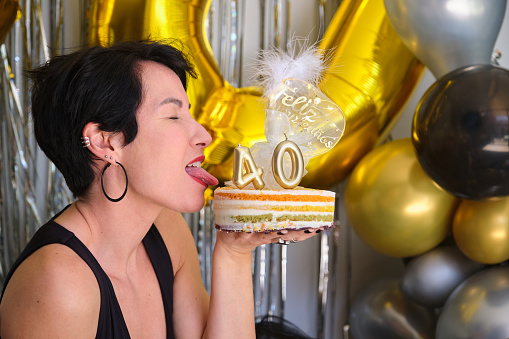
x=174, y=101
x=171, y=100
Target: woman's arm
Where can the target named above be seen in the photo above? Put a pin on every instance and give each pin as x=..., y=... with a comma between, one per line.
x=229, y=313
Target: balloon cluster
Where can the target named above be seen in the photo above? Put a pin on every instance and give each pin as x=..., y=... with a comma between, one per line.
x=477, y=307
x=440, y=199
x=461, y=126
x=395, y=208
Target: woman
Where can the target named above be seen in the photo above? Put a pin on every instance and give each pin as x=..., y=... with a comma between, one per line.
x=120, y=261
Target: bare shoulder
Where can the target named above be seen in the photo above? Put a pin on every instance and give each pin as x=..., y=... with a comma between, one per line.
x=53, y=293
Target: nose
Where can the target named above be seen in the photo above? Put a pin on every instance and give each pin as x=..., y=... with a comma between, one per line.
x=202, y=136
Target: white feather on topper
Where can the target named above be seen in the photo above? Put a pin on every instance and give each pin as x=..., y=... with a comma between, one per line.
x=276, y=65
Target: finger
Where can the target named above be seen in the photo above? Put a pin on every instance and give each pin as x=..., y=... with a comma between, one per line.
x=302, y=235
x=279, y=241
x=313, y=230
x=249, y=239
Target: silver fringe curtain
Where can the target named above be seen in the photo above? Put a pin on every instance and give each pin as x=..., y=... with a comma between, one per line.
x=30, y=187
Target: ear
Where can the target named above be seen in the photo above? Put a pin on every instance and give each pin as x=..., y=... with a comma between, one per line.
x=105, y=145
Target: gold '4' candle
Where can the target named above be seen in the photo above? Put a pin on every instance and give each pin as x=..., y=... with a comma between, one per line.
x=245, y=169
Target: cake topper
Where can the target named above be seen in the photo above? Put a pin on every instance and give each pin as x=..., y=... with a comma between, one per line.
x=301, y=122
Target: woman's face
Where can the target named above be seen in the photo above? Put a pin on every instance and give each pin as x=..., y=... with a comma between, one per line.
x=163, y=161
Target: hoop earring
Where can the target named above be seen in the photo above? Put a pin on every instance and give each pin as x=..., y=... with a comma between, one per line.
x=102, y=184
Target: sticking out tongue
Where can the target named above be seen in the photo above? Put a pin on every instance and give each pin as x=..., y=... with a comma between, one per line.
x=203, y=175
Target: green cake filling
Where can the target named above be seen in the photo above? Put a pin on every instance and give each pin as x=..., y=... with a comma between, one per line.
x=253, y=218
x=305, y=217
x=250, y=219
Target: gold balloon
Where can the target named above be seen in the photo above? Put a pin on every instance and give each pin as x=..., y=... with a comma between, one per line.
x=393, y=206
x=112, y=21
x=370, y=77
x=232, y=116
x=481, y=230
x=9, y=13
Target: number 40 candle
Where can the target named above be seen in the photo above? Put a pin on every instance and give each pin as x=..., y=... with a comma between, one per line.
x=246, y=171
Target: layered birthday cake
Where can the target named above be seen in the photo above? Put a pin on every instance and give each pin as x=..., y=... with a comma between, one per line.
x=252, y=210
x=301, y=122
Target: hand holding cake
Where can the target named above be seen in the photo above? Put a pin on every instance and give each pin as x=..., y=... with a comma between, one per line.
x=301, y=122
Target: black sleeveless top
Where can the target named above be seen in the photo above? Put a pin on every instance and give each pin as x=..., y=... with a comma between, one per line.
x=111, y=321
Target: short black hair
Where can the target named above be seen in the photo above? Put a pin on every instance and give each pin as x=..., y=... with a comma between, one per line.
x=94, y=84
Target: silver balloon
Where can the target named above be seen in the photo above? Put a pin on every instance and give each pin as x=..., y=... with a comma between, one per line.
x=431, y=277
x=381, y=311
x=446, y=35
x=478, y=308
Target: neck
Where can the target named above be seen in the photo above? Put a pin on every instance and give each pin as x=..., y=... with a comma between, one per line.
x=113, y=232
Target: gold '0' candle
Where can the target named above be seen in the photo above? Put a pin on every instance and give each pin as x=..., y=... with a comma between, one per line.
x=297, y=161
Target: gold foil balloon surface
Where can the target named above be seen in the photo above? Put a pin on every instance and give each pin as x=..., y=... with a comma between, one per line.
x=393, y=206
x=370, y=77
x=112, y=21
x=481, y=230
x=9, y=13
x=232, y=116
